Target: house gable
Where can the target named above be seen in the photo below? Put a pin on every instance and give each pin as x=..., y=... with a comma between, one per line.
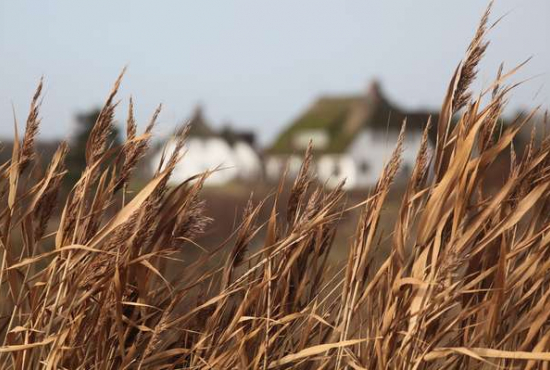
x=325, y=117
x=231, y=152
x=340, y=119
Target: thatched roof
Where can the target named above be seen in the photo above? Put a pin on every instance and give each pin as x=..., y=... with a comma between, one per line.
x=199, y=126
x=343, y=117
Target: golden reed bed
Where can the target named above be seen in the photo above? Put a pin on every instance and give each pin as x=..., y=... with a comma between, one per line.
x=465, y=285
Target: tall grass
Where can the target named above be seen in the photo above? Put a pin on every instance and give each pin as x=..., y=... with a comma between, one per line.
x=465, y=285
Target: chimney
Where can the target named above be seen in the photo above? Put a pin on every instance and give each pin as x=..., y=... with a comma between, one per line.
x=374, y=91
x=197, y=112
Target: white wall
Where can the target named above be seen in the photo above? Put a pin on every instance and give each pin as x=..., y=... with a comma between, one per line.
x=361, y=164
x=275, y=166
x=330, y=169
x=208, y=154
x=335, y=168
x=372, y=149
x=248, y=162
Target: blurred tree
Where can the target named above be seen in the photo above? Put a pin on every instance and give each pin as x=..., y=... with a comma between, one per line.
x=76, y=158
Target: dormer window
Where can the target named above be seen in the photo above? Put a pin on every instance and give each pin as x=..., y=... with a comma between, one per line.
x=318, y=137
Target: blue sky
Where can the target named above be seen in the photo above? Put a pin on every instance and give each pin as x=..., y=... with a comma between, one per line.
x=254, y=63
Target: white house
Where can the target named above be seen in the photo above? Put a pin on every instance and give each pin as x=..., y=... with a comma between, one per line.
x=353, y=137
x=231, y=152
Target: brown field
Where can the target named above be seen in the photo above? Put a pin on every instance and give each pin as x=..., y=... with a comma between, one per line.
x=448, y=271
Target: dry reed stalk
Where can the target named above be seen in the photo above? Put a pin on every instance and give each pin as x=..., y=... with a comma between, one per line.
x=465, y=285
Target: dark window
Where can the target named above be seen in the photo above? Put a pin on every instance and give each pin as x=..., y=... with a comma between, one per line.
x=364, y=167
x=406, y=170
x=336, y=170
